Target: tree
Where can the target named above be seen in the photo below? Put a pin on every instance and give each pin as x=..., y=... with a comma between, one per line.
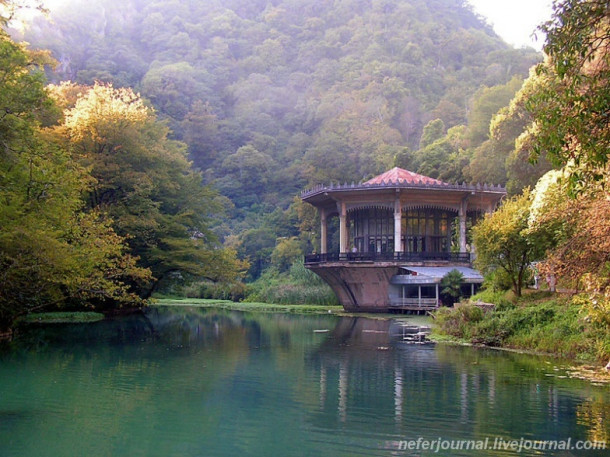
x=51, y=253
x=451, y=287
x=286, y=252
x=502, y=242
x=578, y=251
x=173, y=87
x=487, y=102
x=256, y=246
x=201, y=133
x=571, y=115
x=9, y=8
x=445, y=158
x=504, y=157
x=145, y=183
x=433, y=131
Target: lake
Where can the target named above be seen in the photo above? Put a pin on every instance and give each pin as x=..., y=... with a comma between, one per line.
x=184, y=381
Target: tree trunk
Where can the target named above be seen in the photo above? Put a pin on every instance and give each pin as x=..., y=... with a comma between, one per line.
x=6, y=334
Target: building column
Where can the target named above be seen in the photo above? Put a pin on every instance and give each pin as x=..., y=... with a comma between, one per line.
x=323, y=232
x=343, y=234
x=397, y=225
x=462, y=216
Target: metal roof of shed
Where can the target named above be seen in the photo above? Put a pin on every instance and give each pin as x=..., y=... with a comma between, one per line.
x=429, y=275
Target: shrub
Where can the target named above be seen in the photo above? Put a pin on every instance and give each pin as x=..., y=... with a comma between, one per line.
x=490, y=295
x=235, y=291
x=457, y=322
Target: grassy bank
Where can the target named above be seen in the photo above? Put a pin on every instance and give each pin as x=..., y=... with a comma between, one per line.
x=65, y=317
x=539, y=322
x=250, y=306
x=270, y=308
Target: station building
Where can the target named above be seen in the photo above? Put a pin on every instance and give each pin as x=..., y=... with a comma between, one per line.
x=387, y=243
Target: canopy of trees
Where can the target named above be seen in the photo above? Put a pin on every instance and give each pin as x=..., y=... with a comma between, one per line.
x=97, y=205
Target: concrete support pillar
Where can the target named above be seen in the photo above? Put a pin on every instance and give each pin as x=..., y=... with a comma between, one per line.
x=437, y=294
x=323, y=232
x=397, y=225
x=343, y=233
x=462, y=216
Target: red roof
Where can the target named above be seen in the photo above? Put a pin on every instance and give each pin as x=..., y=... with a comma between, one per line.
x=398, y=175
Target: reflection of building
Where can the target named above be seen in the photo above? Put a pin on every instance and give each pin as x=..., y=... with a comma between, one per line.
x=397, y=234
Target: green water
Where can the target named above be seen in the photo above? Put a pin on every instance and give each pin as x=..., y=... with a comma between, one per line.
x=204, y=382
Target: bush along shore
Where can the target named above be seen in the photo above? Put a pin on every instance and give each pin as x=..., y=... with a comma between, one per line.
x=539, y=321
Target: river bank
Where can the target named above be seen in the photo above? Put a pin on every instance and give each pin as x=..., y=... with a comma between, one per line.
x=538, y=323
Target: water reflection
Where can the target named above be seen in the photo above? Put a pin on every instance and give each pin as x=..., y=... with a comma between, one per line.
x=189, y=381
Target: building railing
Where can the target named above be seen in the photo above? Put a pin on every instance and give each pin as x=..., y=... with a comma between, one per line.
x=458, y=257
x=321, y=188
x=415, y=303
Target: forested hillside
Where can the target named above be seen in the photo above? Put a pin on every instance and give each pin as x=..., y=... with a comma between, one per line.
x=271, y=96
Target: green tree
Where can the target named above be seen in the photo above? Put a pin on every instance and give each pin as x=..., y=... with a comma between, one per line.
x=572, y=113
x=502, y=241
x=487, y=101
x=257, y=245
x=433, y=130
x=504, y=157
x=51, y=252
x=445, y=158
x=145, y=183
x=286, y=252
x=173, y=87
x=451, y=287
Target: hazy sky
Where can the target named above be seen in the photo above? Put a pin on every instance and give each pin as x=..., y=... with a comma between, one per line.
x=515, y=20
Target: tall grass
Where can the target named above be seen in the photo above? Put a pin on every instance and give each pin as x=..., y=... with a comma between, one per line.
x=298, y=286
x=540, y=322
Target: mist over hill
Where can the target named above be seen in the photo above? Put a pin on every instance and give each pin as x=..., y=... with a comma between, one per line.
x=273, y=95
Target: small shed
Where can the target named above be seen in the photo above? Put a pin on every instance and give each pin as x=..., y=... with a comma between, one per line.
x=417, y=288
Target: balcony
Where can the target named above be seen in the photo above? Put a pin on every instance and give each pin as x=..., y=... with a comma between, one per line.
x=355, y=257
